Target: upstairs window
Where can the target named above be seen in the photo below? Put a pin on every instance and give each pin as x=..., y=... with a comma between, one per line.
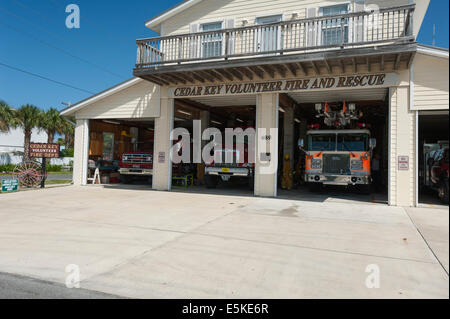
x=331, y=29
x=212, y=43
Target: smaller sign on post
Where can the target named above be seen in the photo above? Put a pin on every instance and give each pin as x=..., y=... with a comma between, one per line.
x=403, y=163
x=10, y=185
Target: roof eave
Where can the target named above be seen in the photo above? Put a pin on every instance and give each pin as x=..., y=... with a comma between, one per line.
x=433, y=51
x=154, y=22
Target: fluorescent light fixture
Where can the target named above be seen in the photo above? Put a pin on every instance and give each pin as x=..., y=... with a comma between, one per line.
x=215, y=122
x=297, y=120
x=281, y=109
x=178, y=119
x=111, y=122
x=239, y=120
x=184, y=112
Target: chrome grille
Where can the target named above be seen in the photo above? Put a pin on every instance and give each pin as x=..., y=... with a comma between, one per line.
x=336, y=164
x=137, y=158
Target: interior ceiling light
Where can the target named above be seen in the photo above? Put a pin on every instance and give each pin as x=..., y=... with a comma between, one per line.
x=215, y=122
x=297, y=120
x=239, y=120
x=111, y=122
x=184, y=112
x=281, y=109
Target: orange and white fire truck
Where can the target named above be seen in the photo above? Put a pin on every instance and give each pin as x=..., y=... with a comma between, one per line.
x=341, y=154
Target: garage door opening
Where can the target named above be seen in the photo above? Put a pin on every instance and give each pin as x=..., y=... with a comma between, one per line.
x=336, y=161
x=121, y=152
x=233, y=174
x=433, y=158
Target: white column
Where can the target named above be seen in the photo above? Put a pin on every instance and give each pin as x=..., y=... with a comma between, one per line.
x=402, y=144
x=266, y=165
x=81, y=152
x=289, y=133
x=162, y=165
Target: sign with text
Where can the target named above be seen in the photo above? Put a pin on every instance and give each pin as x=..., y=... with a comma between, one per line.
x=44, y=150
x=161, y=157
x=10, y=185
x=288, y=85
x=403, y=163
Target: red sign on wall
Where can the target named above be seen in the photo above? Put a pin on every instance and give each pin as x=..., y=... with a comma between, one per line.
x=403, y=163
x=44, y=150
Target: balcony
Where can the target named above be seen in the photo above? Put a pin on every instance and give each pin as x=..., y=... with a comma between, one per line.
x=313, y=45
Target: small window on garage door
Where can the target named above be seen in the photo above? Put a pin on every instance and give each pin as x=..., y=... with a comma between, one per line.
x=108, y=146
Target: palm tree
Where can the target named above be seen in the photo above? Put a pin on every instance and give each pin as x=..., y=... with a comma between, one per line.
x=52, y=123
x=28, y=117
x=6, y=117
x=69, y=132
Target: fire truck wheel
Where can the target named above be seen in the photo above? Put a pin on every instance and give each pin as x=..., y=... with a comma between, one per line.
x=211, y=181
x=443, y=191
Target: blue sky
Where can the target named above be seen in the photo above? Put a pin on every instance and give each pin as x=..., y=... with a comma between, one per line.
x=102, y=52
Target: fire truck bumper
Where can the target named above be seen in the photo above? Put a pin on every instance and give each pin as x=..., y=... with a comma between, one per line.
x=227, y=171
x=135, y=171
x=337, y=179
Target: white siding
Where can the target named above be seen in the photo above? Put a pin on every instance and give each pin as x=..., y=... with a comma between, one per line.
x=219, y=10
x=138, y=101
x=431, y=81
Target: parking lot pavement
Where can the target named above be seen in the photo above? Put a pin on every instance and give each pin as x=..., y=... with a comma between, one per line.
x=134, y=242
x=433, y=226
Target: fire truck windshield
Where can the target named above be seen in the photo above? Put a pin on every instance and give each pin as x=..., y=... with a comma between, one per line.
x=353, y=142
x=322, y=142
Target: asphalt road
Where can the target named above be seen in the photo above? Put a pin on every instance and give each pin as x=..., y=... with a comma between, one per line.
x=20, y=287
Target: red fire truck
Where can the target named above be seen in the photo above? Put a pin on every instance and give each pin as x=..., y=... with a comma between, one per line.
x=136, y=164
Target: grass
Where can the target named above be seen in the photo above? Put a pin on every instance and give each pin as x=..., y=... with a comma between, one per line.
x=58, y=181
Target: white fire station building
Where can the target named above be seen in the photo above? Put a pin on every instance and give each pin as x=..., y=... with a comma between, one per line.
x=269, y=63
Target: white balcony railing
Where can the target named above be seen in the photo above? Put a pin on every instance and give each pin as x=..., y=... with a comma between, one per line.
x=387, y=26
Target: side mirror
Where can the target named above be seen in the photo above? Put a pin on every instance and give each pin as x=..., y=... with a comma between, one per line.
x=301, y=143
x=372, y=143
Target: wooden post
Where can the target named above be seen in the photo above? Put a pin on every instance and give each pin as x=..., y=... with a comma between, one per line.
x=44, y=171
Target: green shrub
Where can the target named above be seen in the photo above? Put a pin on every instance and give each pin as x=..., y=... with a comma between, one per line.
x=6, y=168
x=68, y=152
x=54, y=168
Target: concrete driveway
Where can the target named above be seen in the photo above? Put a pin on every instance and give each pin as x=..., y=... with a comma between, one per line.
x=134, y=242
